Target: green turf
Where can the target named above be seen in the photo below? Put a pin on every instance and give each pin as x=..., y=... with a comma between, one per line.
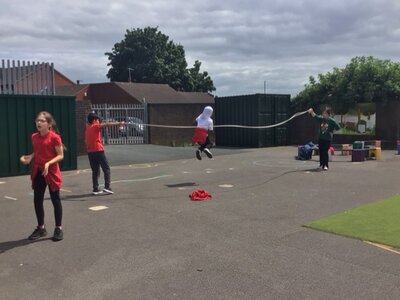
x=378, y=222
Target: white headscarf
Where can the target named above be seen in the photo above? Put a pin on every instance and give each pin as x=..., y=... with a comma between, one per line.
x=204, y=120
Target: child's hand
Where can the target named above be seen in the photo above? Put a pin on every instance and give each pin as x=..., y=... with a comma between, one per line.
x=46, y=169
x=25, y=159
x=310, y=111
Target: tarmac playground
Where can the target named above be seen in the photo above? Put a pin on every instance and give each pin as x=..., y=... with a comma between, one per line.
x=149, y=241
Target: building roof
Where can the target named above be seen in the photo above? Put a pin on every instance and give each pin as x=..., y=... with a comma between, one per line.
x=150, y=92
x=162, y=94
x=141, y=92
x=70, y=90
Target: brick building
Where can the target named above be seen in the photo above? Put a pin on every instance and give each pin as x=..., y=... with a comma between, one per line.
x=165, y=106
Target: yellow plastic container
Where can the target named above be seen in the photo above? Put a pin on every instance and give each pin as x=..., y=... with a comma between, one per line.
x=375, y=153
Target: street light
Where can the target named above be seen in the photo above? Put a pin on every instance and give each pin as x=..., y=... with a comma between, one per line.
x=129, y=71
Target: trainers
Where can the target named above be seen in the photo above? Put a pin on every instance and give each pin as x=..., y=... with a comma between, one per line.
x=208, y=153
x=58, y=234
x=198, y=154
x=96, y=192
x=326, y=168
x=37, y=233
x=108, y=191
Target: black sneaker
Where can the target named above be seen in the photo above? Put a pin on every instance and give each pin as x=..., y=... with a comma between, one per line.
x=198, y=154
x=58, y=235
x=96, y=192
x=108, y=191
x=37, y=233
x=208, y=153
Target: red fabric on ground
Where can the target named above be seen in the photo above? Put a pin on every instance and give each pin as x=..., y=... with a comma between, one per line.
x=200, y=195
x=199, y=136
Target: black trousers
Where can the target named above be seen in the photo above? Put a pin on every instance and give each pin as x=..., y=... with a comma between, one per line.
x=98, y=159
x=207, y=144
x=324, y=147
x=39, y=189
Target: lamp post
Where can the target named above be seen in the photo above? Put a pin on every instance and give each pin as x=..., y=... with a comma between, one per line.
x=129, y=71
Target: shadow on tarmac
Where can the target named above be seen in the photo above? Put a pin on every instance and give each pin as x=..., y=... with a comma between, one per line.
x=5, y=246
x=80, y=197
x=183, y=184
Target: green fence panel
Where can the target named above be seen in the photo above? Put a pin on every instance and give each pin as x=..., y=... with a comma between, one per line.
x=17, y=123
x=252, y=110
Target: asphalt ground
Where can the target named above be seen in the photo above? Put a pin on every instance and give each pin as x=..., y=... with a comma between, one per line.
x=152, y=242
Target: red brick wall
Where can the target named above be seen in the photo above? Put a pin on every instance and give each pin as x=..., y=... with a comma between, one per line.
x=83, y=108
x=60, y=80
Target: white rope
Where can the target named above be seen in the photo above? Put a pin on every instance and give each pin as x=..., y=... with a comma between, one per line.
x=225, y=126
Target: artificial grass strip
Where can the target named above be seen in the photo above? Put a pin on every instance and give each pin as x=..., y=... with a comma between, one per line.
x=377, y=222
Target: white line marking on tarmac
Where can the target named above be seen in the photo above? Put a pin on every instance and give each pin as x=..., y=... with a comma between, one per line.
x=98, y=208
x=226, y=185
x=141, y=179
x=143, y=166
x=64, y=190
x=2, y=182
x=10, y=198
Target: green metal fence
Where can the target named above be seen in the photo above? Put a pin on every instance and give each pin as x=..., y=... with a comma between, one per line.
x=252, y=110
x=17, y=116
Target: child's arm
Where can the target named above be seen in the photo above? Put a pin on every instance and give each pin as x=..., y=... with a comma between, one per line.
x=107, y=124
x=56, y=159
x=312, y=113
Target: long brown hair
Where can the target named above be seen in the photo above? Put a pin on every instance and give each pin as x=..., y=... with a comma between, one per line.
x=52, y=123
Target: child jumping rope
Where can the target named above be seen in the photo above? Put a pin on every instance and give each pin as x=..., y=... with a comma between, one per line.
x=48, y=150
x=201, y=135
x=96, y=155
x=327, y=126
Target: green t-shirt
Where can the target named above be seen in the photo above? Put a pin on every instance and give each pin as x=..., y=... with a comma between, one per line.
x=326, y=127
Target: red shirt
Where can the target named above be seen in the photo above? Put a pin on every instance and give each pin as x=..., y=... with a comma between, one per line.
x=93, y=138
x=44, y=150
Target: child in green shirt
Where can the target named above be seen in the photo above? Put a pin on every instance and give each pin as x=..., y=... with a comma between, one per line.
x=327, y=126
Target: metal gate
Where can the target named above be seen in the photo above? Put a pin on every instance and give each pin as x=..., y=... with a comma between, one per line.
x=133, y=115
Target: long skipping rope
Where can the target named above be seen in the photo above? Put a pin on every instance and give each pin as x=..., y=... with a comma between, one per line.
x=226, y=126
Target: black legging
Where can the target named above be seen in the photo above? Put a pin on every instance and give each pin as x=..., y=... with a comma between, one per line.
x=324, y=147
x=207, y=144
x=98, y=159
x=39, y=188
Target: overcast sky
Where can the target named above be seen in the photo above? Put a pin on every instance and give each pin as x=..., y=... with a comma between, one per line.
x=240, y=43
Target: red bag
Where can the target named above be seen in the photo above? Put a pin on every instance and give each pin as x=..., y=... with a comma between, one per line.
x=199, y=136
x=200, y=195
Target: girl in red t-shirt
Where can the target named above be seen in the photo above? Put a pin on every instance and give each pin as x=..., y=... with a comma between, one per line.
x=48, y=150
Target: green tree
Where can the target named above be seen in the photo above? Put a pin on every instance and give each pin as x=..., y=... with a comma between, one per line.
x=199, y=81
x=363, y=80
x=147, y=55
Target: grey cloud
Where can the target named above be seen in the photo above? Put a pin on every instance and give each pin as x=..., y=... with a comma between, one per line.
x=241, y=43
